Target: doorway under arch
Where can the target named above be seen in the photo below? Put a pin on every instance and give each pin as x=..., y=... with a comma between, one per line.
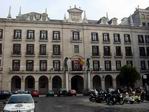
x=15, y=83
x=43, y=85
x=77, y=83
x=56, y=83
x=108, y=82
x=29, y=83
x=96, y=82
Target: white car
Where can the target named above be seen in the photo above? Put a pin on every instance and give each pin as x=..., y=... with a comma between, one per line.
x=20, y=103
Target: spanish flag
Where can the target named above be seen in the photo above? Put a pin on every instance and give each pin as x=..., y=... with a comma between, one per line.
x=81, y=61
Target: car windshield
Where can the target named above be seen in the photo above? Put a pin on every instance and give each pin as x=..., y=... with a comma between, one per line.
x=20, y=99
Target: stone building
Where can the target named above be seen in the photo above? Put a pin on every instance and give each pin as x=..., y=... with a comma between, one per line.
x=40, y=53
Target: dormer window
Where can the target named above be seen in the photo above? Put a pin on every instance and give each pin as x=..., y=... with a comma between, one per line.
x=76, y=35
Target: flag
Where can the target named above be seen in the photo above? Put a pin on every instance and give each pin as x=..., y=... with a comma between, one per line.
x=81, y=61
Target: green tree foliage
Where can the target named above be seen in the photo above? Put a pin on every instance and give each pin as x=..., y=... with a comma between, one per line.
x=128, y=76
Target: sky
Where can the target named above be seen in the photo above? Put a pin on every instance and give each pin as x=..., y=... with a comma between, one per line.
x=56, y=9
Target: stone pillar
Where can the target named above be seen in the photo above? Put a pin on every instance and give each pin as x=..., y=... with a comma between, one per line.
x=36, y=85
x=103, y=82
x=88, y=80
x=114, y=83
x=67, y=80
x=50, y=83
x=23, y=84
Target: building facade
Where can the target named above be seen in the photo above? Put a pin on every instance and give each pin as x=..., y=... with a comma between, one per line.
x=40, y=53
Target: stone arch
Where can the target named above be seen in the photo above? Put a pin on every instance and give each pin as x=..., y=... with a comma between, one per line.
x=56, y=83
x=108, y=82
x=29, y=83
x=77, y=83
x=43, y=84
x=15, y=83
x=96, y=82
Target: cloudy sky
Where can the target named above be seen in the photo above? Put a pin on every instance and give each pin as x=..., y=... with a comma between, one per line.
x=56, y=9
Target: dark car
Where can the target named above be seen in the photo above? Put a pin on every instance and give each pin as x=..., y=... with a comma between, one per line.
x=35, y=93
x=50, y=93
x=62, y=92
x=72, y=92
x=4, y=94
x=87, y=92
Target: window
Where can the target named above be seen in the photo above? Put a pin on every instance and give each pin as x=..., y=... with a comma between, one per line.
x=143, y=24
x=43, y=35
x=95, y=50
x=147, y=51
x=17, y=34
x=128, y=51
x=147, y=38
x=129, y=63
x=76, y=48
x=30, y=49
x=107, y=51
x=116, y=38
x=142, y=51
x=16, y=65
x=118, y=65
x=30, y=34
x=96, y=65
x=42, y=49
x=17, y=49
x=56, y=49
x=29, y=65
x=1, y=33
x=76, y=66
x=75, y=35
x=140, y=39
x=43, y=65
x=0, y=62
x=94, y=36
x=56, y=65
x=0, y=48
x=143, y=65
x=118, y=51
x=106, y=38
x=107, y=65
x=56, y=35
x=127, y=38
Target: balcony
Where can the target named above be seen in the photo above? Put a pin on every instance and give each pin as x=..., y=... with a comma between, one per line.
x=30, y=55
x=129, y=56
x=76, y=41
x=56, y=41
x=41, y=55
x=43, y=40
x=55, y=55
x=16, y=54
x=96, y=55
x=17, y=39
x=118, y=55
x=107, y=55
x=36, y=72
x=95, y=41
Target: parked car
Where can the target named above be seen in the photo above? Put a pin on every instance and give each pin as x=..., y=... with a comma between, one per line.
x=72, y=92
x=20, y=103
x=21, y=92
x=62, y=92
x=35, y=93
x=4, y=94
x=50, y=93
x=87, y=92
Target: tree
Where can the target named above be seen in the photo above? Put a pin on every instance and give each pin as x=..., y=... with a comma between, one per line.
x=128, y=76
